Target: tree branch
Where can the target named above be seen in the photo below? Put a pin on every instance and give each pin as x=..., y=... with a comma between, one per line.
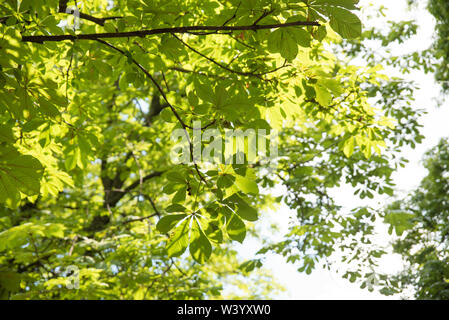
x=117, y=195
x=144, y=33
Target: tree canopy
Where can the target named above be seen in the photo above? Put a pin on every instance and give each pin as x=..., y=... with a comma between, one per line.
x=421, y=220
x=93, y=204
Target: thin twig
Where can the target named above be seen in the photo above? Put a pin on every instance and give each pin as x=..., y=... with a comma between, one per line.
x=140, y=219
x=247, y=74
x=233, y=16
x=264, y=14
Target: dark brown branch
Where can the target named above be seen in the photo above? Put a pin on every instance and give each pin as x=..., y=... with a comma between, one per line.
x=100, y=21
x=233, y=16
x=156, y=211
x=117, y=194
x=144, y=33
x=208, y=125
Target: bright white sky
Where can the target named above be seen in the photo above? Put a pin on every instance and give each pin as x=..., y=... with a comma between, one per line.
x=323, y=284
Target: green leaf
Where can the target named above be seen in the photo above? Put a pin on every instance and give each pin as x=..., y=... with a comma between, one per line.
x=221, y=96
x=71, y=159
x=18, y=174
x=2, y=80
x=301, y=36
x=225, y=181
x=204, y=90
x=54, y=230
x=321, y=33
x=175, y=208
x=9, y=282
x=323, y=96
x=175, y=176
x=171, y=46
x=345, y=23
x=180, y=195
x=6, y=134
x=213, y=232
x=250, y=265
x=285, y=42
x=166, y=223
x=200, y=247
x=349, y=145
x=399, y=221
x=246, y=185
x=236, y=228
x=170, y=188
x=244, y=210
x=167, y=115
x=179, y=239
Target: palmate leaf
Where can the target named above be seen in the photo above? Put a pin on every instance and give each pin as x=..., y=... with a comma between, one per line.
x=18, y=174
